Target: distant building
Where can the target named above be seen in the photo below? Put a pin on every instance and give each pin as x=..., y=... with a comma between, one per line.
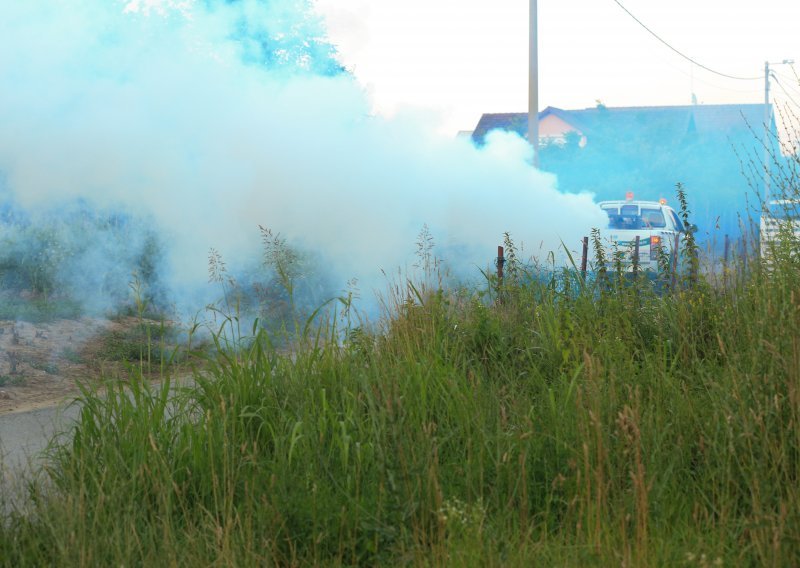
x=674, y=122
x=715, y=151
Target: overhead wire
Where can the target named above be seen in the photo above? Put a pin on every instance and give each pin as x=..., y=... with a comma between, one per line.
x=711, y=83
x=789, y=86
x=785, y=92
x=655, y=35
x=720, y=87
x=791, y=66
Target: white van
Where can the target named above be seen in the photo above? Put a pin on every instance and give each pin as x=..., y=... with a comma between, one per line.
x=655, y=223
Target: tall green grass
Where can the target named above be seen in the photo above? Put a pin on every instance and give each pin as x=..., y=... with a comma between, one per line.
x=539, y=421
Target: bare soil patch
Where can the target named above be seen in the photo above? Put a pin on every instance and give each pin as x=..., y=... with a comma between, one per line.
x=41, y=364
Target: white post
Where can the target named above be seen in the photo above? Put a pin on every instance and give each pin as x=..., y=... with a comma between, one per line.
x=769, y=144
x=767, y=133
x=533, y=83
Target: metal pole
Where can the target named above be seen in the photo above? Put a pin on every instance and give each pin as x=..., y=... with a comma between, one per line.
x=533, y=82
x=767, y=122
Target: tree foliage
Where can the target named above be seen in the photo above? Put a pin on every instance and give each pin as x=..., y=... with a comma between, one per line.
x=282, y=35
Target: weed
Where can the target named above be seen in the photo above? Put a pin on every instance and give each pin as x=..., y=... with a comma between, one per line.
x=14, y=358
x=426, y=261
x=600, y=424
x=38, y=310
x=689, y=249
x=512, y=266
x=71, y=355
x=49, y=368
x=12, y=380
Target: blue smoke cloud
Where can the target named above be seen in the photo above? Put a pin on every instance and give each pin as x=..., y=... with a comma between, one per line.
x=203, y=120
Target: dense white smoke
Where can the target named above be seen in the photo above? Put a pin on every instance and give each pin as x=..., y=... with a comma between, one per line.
x=161, y=112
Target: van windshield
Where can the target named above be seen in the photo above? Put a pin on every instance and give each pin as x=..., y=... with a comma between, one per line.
x=653, y=218
x=631, y=217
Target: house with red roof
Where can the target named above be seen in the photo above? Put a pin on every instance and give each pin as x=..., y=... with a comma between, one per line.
x=677, y=122
x=715, y=151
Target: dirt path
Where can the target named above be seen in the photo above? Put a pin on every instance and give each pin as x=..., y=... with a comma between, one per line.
x=23, y=438
x=24, y=435
x=41, y=364
x=41, y=368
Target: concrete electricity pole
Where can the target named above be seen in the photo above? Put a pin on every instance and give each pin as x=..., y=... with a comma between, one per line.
x=767, y=125
x=533, y=83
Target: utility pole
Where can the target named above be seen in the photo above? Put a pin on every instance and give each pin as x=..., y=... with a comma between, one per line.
x=767, y=128
x=767, y=123
x=533, y=82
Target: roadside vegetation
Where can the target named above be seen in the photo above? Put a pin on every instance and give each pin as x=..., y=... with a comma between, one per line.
x=74, y=260
x=545, y=419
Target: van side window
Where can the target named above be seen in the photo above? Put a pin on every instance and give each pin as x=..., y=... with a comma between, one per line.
x=676, y=221
x=613, y=217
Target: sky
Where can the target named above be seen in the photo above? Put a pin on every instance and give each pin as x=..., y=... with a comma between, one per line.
x=462, y=58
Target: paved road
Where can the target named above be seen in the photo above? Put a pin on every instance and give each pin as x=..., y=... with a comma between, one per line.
x=23, y=435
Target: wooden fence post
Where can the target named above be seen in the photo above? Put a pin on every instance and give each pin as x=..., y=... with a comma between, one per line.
x=584, y=257
x=500, y=262
x=727, y=249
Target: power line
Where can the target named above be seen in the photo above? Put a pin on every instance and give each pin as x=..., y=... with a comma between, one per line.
x=787, y=86
x=655, y=35
x=791, y=66
x=701, y=79
x=786, y=92
x=720, y=87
